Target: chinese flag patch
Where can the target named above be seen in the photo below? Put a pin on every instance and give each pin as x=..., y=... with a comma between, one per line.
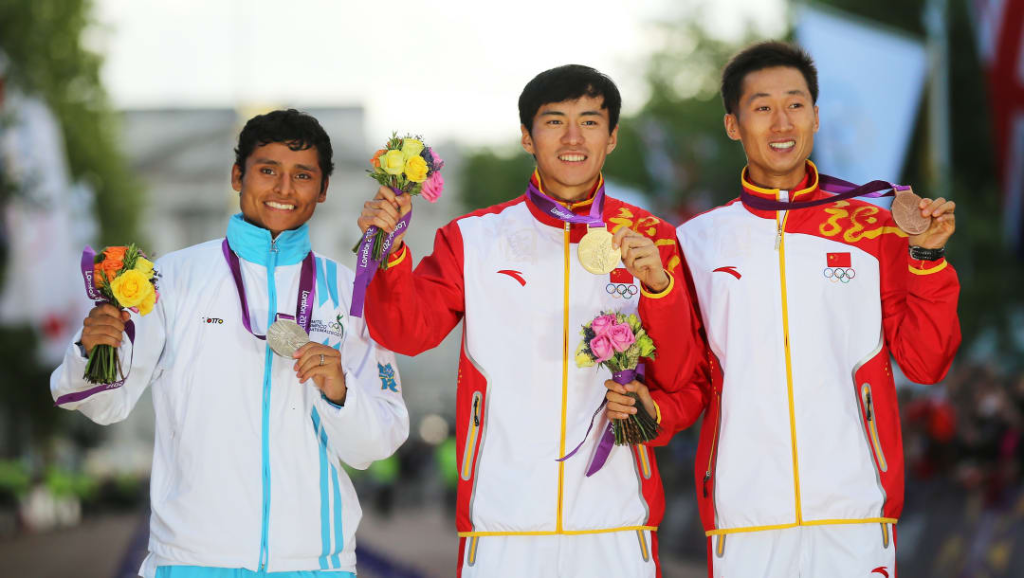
x=839, y=260
x=620, y=275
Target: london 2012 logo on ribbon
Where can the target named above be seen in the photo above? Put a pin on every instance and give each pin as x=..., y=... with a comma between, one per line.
x=839, y=268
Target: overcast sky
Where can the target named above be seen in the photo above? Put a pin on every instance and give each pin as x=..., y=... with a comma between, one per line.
x=446, y=69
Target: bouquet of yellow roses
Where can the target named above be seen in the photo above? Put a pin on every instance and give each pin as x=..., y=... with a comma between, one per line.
x=408, y=167
x=125, y=278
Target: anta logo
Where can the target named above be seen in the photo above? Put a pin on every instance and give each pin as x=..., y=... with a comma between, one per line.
x=620, y=284
x=387, y=377
x=211, y=320
x=731, y=269
x=517, y=275
x=838, y=268
x=881, y=570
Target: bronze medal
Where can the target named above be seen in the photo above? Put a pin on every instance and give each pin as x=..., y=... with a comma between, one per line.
x=907, y=213
x=595, y=251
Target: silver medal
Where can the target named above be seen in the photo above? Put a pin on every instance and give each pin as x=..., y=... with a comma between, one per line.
x=285, y=337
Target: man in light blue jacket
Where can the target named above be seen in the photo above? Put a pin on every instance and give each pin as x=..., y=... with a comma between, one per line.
x=247, y=472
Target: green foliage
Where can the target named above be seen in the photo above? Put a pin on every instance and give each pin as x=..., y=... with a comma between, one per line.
x=42, y=39
x=495, y=177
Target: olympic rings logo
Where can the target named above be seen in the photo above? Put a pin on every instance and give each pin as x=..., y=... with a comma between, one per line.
x=839, y=274
x=621, y=290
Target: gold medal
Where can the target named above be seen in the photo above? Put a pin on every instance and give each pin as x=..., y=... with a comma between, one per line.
x=595, y=251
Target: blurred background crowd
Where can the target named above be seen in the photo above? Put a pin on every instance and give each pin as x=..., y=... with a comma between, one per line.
x=117, y=124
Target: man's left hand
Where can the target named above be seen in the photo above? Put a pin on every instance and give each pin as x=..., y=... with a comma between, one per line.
x=641, y=258
x=943, y=223
x=323, y=364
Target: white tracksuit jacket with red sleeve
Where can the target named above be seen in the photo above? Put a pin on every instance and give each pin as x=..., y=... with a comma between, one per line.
x=802, y=310
x=511, y=273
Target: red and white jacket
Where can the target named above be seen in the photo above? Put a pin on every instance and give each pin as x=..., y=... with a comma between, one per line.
x=511, y=274
x=801, y=311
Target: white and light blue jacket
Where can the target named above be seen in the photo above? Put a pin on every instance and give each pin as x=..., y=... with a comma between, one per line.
x=247, y=460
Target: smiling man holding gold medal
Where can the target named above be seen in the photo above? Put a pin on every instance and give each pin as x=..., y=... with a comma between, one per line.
x=524, y=276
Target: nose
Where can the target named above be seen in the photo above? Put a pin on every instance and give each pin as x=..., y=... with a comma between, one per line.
x=781, y=121
x=572, y=135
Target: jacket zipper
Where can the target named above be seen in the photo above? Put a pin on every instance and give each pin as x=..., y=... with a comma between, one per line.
x=471, y=438
x=271, y=314
x=780, y=244
x=714, y=439
x=565, y=371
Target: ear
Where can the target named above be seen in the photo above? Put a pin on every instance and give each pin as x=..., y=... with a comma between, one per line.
x=323, y=190
x=236, y=178
x=613, y=140
x=732, y=126
x=815, y=118
x=527, y=140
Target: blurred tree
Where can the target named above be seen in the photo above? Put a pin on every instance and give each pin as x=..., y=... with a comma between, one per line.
x=43, y=41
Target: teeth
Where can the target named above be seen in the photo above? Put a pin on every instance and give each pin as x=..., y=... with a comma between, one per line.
x=782, y=145
x=274, y=205
x=572, y=158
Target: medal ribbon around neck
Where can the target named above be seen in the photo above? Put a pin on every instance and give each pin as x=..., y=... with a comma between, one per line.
x=838, y=188
x=307, y=289
x=560, y=212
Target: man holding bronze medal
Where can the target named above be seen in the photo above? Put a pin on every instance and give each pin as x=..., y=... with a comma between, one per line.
x=262, y=385
x=524, y=277
x=805, y=291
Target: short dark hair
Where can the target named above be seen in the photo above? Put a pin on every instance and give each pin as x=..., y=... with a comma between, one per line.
x=298, y=130
x=569, y=82
x=769, y=54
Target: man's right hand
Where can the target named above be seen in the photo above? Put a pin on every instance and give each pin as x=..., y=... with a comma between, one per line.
x=384, y=212
x=103, y=326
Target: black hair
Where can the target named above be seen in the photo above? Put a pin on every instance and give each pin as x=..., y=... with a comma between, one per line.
x=769, y=54
x=298, y=130
x=569, y=82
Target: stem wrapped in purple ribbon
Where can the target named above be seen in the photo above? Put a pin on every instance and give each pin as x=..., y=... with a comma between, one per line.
x=406, y=166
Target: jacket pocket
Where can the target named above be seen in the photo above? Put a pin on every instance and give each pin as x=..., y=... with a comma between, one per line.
x=872, y=426
x=472, y=438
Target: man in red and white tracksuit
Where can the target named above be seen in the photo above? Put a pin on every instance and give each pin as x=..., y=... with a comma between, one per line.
x=510, y=273
x=799, y=470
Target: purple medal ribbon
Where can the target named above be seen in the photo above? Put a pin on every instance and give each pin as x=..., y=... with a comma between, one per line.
x=604, y=447
x=304, y=306
x=838, y=188
x=87, y=264
x=558, y=211
x=366, y=265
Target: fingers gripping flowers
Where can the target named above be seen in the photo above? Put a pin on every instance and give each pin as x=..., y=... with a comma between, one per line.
x=618, y=341
x=125, y=278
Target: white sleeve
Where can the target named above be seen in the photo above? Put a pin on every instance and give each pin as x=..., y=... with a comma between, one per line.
x=105, y=406
x=374, y=422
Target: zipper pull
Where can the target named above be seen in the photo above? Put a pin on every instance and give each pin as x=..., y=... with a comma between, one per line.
x=476, y=411
x=707, y=477
x=273, y=245
x=778, y=237
x=568, y=226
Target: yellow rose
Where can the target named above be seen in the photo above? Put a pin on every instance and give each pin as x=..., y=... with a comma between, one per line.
x=131, y=288
x=392, y=162
x=144, y=265
x=146, y=307
x=411, y=148
x=416, y=169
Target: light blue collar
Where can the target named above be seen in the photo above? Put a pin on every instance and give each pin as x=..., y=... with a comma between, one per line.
x=254, y=244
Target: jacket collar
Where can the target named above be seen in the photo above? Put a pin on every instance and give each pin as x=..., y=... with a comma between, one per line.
x=254, y=244
x=805, y=190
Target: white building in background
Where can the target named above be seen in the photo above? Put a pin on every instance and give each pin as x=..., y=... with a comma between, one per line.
x=183, y=158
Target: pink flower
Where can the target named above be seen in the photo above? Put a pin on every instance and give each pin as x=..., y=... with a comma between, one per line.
x=621, y=336
x=601, y=346
x=601, y=324
x=433, y=187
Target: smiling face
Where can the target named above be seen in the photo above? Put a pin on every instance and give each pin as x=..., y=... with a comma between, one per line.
x=280, y=187
x=570, y=141
x=775, y=120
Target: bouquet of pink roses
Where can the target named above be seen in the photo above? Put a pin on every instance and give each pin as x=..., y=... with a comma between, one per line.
x=618, y=341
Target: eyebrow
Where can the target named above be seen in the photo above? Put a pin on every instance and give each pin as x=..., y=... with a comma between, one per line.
x=794, y=92
x=307, y=168
x=262, y=161
x=560, y=113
